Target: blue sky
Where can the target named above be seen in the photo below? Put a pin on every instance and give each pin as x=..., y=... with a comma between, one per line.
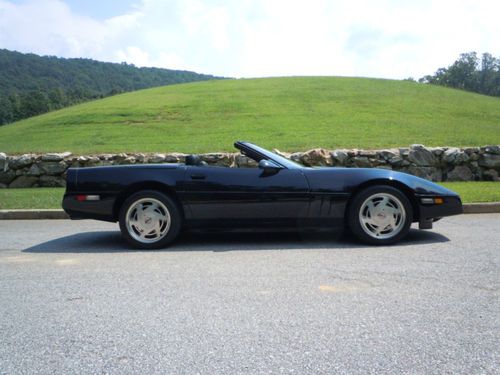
x=98, y=9
x=101, y=9
x=258, y=38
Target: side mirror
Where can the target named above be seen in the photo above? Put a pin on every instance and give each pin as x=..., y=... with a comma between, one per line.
x=269, y=167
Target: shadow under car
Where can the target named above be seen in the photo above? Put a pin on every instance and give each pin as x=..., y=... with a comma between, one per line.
x=111, y=242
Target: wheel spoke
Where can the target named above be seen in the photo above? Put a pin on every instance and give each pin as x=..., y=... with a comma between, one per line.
x=137, y=226
x=140, y=212
x=371, y=208
x=391, y=210
x=383, y=203
x=134, y=217
x=157, y=227
x=389, y=227
x=370, y=221
x=392, y=222
x=148, y=210
x=160, y=216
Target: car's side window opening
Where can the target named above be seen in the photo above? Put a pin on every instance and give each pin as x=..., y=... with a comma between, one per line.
x=245, y=161
x=195, y=160
x=251, y=159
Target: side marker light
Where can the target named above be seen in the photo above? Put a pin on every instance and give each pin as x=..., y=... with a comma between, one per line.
x=83, y=198
x=436, y=200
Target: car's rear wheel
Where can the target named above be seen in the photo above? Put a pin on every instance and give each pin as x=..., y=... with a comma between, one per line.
x=380, y=215
x=149, y=220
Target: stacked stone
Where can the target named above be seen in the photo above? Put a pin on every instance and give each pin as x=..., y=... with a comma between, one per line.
x=436, y=163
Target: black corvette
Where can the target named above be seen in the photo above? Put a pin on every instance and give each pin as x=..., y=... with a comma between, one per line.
x=153, y=203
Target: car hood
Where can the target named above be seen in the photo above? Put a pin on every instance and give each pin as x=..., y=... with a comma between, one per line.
x=349, y=179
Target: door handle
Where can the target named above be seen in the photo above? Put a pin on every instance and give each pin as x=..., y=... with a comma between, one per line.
x=198, y=177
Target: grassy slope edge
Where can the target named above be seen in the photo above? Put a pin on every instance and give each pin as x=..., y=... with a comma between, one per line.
x=291, y=114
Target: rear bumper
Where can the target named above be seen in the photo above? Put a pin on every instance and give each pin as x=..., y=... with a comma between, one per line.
x=102, y=209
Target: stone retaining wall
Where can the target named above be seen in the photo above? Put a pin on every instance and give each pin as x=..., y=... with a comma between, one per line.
x=436, y=163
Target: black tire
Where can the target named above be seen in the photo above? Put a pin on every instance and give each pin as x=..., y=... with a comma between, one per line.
x=368, y=232
x=168, y=231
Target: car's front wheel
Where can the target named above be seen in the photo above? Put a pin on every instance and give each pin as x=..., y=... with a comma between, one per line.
x=380, y=215
x=149, y=220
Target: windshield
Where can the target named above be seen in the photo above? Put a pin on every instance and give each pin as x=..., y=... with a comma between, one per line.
x=260, y=153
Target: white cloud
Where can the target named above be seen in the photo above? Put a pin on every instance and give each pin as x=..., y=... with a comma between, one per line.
x=48, y=27
x=385, y=38
x=135, y=54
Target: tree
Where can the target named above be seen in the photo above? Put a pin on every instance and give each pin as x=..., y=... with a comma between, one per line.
x=57, y=98
x=6, y=110
x=15, y=105
x=34, y=103
x=469, y=73
x=488, y=76
x=463, y=73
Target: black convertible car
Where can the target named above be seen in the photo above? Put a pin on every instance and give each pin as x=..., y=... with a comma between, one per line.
x=153, y=203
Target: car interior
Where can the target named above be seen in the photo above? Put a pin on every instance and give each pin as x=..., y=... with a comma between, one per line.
x=195, y=160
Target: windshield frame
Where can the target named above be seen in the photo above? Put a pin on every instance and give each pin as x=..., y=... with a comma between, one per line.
x=258, y=153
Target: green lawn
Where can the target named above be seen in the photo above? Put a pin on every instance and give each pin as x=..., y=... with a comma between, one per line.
x=52, y=197
x=470, y=192
x=31, y=198
x=290, y=114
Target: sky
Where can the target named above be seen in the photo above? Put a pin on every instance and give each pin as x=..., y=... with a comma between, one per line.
x=258, y=38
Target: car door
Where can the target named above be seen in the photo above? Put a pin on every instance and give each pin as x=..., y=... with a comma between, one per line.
x=250, y=195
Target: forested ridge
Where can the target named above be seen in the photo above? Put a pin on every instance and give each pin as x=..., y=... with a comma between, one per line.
x=32, y=84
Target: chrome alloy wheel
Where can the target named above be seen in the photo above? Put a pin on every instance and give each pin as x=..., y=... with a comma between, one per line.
x=147, y=220
x=382, y=216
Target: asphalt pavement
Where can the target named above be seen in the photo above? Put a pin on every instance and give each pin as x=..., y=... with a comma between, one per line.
x=74, y=299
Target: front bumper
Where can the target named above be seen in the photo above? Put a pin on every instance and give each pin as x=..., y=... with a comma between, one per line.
x=452, y=205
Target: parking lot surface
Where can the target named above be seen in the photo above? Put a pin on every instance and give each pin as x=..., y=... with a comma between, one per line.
x=74, y=299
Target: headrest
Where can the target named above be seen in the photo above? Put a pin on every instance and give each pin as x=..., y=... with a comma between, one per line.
x=195, y=160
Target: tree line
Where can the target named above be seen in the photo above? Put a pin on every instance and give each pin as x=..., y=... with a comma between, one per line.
x=470, y=73
x=32, y=84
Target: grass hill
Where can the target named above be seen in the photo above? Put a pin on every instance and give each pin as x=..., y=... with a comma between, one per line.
x=287, y=113
x=32, y=84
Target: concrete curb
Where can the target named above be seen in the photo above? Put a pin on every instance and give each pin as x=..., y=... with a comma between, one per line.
x=482, y=208
x=469, y=208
